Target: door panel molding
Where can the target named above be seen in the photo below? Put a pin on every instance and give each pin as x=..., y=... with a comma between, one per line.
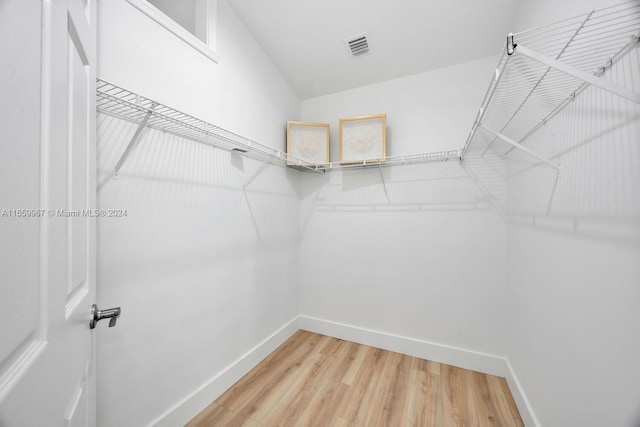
x=77, y=410
x=17, y=364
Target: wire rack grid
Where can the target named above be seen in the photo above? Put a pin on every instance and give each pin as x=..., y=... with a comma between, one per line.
x=524, y=94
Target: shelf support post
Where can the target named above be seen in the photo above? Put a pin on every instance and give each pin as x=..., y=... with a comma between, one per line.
x=519, y=146
x=572, y=71
x=384, y=184
x=135, y=139
x=261, y=169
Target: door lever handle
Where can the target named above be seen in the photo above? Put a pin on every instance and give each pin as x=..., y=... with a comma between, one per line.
x=96, y=315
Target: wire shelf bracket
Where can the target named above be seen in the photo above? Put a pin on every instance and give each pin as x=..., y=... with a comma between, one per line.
x=384, y=183
x=586, y=77
x=519, y=146
x=135, y=139
x=257, y=173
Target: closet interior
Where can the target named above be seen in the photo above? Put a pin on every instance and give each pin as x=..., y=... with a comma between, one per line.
x=489, y=253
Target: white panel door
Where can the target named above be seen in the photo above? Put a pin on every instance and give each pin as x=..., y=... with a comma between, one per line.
x=47, y=192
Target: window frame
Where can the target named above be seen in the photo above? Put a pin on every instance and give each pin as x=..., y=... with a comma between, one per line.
x=208, y=48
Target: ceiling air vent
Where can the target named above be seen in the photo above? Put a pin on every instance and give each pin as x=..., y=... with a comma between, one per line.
x=358, y=45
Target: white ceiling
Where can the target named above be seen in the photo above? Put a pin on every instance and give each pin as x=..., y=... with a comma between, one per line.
x=305, y=38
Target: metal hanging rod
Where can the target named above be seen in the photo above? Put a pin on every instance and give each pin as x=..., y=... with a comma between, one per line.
x=540, y=71
x=440, y=156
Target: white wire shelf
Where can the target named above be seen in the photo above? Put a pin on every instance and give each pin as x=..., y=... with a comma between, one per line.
x=540, y=71
x=126, y=105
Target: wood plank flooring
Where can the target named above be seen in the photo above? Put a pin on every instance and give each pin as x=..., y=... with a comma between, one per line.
x=315, y=380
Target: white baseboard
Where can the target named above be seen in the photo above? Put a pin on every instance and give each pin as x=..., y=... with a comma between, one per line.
x=194, y=403
x=460, y=357
x=524, y=407
x=455, y=356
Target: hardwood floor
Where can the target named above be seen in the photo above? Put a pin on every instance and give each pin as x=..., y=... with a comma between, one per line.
x=315, y=380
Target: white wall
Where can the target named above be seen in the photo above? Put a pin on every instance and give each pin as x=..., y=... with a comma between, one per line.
x=574, y=254
x=426, y=112
x=204, y=270
x=543, y=12
x=423, y=259
x=244, y=93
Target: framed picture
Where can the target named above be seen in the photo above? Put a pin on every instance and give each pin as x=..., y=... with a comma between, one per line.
x=363, y=138
x=308, y=142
